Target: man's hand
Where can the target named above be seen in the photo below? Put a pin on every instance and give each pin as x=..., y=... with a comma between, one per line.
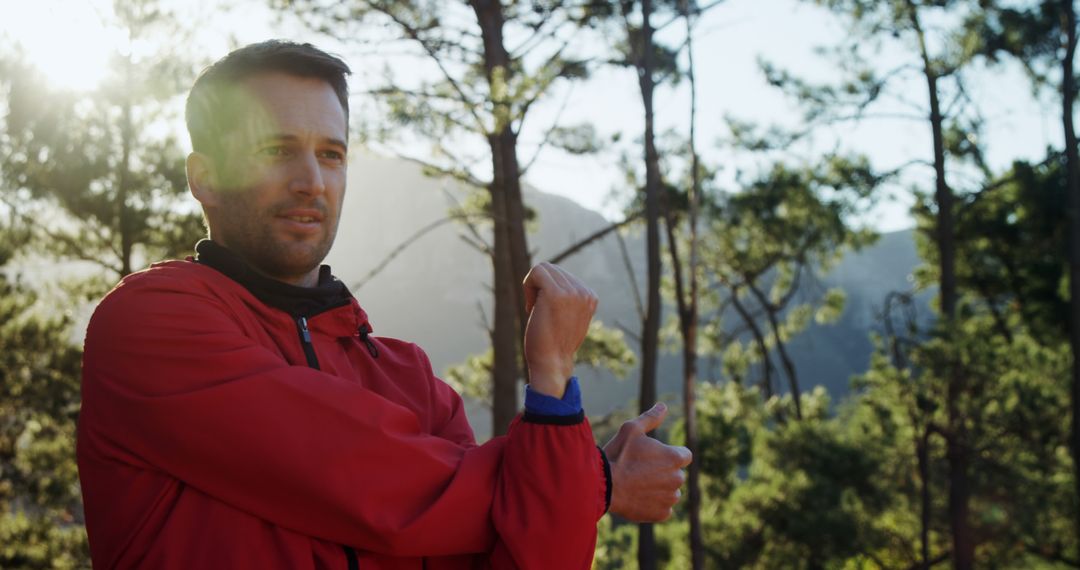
x=560, y=307
x=645, y=474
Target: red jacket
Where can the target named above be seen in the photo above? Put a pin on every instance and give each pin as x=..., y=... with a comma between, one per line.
x=207, y=440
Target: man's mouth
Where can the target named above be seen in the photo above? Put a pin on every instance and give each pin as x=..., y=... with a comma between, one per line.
x=302, y=221
x=302, y=215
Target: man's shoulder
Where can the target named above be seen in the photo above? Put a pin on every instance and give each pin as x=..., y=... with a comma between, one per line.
x=178, y=275
x=165, y=282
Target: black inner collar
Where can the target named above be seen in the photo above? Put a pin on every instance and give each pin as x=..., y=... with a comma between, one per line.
x=305, y=302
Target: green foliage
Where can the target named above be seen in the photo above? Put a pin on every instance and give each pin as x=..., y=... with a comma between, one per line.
x=83, y=176
x=472, y=378
x=1010, y=249
x=782, y=494
x=760, y=247
x=791, y=216
x=1017, y=424
x=832, y=306
x=40, y=502
x=41, y=543
x=605, y=348
x=841, y=488
x=1028, y=32
x=844, y=487
x=578, y=139
x=85, y=168
x=616, y=546
x=477, y=91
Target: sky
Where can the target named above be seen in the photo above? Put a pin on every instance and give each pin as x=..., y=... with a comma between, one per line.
x=70, y=40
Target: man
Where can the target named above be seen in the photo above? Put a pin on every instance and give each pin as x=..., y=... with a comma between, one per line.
x=238, y=413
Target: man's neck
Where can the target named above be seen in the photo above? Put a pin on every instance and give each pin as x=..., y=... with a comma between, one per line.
x=310, y=279
x=324, y=293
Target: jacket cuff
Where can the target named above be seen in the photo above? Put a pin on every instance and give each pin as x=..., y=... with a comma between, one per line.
x=545, y=409
x=607, y=479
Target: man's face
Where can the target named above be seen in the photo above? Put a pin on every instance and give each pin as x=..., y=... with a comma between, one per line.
x=279, y=187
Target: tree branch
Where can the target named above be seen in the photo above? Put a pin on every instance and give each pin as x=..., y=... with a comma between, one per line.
x=401, y=247
x=478, y=240
x=785, y=358
x=547, y=134
x=459, y=175
x=414, y=34
x=598, y=234
x=763, y=348
x=633, y=279
x=701, y=10
x=633, y=335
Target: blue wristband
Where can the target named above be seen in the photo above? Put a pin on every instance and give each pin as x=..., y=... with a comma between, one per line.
x=545, y=405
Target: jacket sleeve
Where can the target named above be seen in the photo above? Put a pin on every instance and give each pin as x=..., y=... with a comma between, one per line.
x=544, y=516
x=173, y=384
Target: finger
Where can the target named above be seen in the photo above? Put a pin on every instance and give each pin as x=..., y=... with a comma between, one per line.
x=571, y=284
x=652, y=418
x=671, y=481
x=537, y=279
x=683, y=457
x=581, y=288
x=562, y=277
x=613, y=448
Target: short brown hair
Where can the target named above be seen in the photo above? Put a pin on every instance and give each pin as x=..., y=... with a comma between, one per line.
x=210, y=115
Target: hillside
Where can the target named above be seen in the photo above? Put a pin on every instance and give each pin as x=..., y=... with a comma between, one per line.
x=436, y=291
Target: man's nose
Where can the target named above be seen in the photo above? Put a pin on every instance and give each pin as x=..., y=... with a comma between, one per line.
x=307, y=175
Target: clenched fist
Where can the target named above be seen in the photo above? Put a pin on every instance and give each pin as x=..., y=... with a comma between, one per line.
x=645, y=474
x=560, y=308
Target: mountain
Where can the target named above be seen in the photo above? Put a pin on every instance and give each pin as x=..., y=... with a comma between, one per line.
x=436, y=291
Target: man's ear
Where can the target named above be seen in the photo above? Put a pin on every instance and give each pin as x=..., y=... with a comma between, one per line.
x=202, y=179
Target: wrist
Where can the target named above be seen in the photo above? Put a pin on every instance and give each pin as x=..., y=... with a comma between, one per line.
x=549, y=383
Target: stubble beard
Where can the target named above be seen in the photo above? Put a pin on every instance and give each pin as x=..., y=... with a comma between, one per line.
x=273, y=253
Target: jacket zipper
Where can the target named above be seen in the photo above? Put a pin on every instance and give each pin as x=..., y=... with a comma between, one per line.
x=313, y=362
x=305, y=342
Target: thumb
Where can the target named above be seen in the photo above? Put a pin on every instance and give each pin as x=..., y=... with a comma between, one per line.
x=533, y=283
x=530, y=297
x=653, y=417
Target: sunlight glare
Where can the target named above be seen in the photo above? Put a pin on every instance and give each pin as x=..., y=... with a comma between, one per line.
x=69, y=42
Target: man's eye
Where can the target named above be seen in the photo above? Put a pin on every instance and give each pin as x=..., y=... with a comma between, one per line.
x=273, y=151
x=333, y=155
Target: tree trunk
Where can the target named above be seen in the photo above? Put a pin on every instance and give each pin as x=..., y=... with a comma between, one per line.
x=1072, y=162
x=123, y=212
x=504, y=344
x=651, y=326
x=693, y=471
x=511, y=252
x=512, y=264
x=520, y=259
x=956, y=445
x=922, y=452
x=687, y=311
x=689, y=317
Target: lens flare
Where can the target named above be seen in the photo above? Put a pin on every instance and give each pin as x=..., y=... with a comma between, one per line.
x=69, y=42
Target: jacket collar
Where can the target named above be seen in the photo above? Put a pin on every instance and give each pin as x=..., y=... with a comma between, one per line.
x=329, y=293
